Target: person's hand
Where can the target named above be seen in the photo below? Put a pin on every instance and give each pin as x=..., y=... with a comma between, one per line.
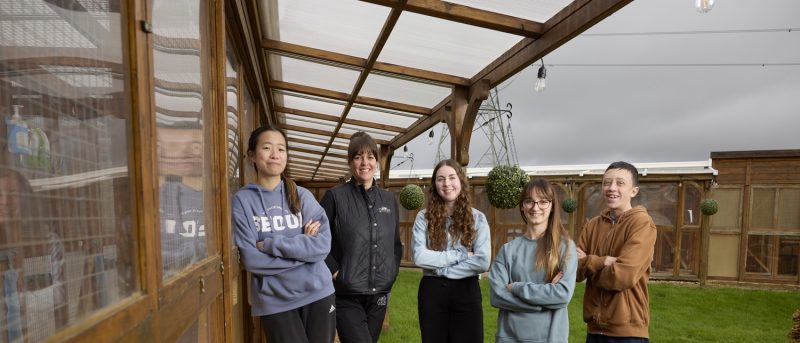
x=312, y=228
x=260, y=245
x=581, y=254
x=335, y=275
x=508, y=287
x=470, y=254
x=558, y=277
x=609, y=261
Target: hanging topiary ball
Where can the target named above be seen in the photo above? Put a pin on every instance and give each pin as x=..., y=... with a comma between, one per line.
x=709, y=207
x=504, y=185
x=411, y=197
x=569, y=205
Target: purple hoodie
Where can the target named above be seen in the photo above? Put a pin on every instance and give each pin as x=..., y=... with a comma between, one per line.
x=289, y=271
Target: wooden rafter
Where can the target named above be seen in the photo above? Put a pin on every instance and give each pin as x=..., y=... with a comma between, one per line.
x=383, y=37
x=575, y=18
x=402, y=72
x=326, y=93
x=325, y=133
x=467, y=15
x=332, y=118
x=310, y=142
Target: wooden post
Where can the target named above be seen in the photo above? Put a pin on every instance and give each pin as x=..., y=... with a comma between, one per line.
x=465, y=104
x=385, y=160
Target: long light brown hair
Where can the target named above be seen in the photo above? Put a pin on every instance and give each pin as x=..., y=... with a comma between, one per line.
x=463, y=227
x=548, y=257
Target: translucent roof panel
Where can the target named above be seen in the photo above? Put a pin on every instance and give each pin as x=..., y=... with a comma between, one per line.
x=347, y=27
x=383, y=116
x=375, y=133
x=408, y=92
x=312, y=74
x=535, y=10
x=310, y=123
x=448, y=47
x=307, y=136
x=309, y=103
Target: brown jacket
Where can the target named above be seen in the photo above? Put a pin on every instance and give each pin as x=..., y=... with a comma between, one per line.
x=616, y=301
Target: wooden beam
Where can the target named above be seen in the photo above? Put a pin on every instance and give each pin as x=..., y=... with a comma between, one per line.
x=311, y=151
x=331, y=57
x=385, y=159
x=383, y=37
x=326, y=93
x=468, y=15
x=364, y=123
x=323, y=133
x=438, y=115
x=565, y=25
x=466, y=102
x=310, y=142
x=314, y=165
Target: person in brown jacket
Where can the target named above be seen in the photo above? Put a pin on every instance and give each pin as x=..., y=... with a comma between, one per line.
x=615, y=250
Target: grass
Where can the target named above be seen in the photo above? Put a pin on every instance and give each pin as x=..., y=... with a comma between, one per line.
x=678, y=313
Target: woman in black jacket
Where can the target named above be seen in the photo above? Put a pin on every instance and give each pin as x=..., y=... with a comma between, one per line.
x=366, y=247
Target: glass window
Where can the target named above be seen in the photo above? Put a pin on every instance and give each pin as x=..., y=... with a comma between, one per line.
x=690, y=252
x=664, y=253
x=729, y=216
x=67, y=236
x=248, y=125
x=759, y=253
x=660, y=199
x=789, y=210
x=691, y=204
x=788, y=254
x=561, y=194
x=182, y=75
x=593, y=201
x=763, y=208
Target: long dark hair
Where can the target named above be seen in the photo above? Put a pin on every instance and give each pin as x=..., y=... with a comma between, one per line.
x=548, y=257
x=291, y=187
x=463, y=227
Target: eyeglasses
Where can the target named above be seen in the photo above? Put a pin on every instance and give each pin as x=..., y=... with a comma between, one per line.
x=543, y=204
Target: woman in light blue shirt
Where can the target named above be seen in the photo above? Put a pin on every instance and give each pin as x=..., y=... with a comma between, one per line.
x=452, y=246
x=533, y=276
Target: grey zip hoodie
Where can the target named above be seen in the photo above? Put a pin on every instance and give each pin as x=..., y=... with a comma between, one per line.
x=289, y=271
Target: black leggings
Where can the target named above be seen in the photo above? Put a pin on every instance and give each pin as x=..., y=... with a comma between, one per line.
x=450, y=310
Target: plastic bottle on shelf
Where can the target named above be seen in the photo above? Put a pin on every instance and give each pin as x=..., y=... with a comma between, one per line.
x=18, y=133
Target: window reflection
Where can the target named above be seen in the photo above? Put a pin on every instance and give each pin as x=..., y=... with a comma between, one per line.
x=181, y=83
x=67, y=247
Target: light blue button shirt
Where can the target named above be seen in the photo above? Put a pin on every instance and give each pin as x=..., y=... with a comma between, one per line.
x=454, y=262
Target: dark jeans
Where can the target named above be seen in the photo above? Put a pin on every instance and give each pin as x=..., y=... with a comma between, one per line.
x=313, y=323
x=450, y=310
x=594, y=338
x=359, y=318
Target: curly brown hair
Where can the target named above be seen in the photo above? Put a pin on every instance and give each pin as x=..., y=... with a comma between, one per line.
x=463, y=227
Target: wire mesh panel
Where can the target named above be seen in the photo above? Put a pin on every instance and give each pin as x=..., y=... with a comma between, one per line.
x=67, y=246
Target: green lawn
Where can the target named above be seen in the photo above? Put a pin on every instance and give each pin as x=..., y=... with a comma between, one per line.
x=679, y=313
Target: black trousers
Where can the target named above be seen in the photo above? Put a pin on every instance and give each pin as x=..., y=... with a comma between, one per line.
x=450, y=310
x=312, y=323
x=594, y=338
x=359, y=318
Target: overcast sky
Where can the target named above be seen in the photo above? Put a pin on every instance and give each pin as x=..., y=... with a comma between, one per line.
x=669, y=97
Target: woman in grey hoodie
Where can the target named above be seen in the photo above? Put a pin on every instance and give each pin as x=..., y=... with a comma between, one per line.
x=533, y=277
x=283, y=237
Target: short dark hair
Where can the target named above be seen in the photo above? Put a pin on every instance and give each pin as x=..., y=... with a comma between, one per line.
x=359, y=142
x=626, y=166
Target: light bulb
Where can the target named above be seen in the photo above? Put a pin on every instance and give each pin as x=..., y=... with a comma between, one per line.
x=703, y=6
x=430, y=138
x=405, y=151
x=540, y=83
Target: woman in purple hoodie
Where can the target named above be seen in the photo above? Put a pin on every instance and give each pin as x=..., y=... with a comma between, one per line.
x=283, y=238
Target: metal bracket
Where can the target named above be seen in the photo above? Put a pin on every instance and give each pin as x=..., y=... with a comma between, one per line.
x=147, y=27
